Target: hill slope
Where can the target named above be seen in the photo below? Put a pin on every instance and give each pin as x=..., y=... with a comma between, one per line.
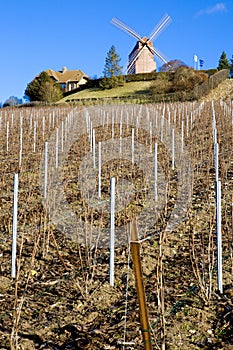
x=222, y=92
x=129, y=89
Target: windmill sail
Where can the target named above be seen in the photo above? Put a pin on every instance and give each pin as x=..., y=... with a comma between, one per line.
x=141, y=58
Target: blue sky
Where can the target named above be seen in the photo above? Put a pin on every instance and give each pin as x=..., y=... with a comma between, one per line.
x=41, y=34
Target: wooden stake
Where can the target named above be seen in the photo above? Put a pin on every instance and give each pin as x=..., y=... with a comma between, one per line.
x=135, y=251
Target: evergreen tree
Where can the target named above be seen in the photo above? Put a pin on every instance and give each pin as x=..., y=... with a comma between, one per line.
x=112, y=70
x=223, y=62
x=231, y=67
x=43, y=88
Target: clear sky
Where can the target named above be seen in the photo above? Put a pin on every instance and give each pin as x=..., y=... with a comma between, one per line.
x=41, y=34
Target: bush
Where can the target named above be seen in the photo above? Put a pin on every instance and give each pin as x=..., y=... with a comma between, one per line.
x=186, y=79
x=141, y=77
x=161, y=86
x=112, y=82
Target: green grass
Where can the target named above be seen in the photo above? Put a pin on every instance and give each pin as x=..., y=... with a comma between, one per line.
x=136, y=89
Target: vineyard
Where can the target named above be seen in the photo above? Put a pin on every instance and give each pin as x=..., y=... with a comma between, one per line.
x=164, y=160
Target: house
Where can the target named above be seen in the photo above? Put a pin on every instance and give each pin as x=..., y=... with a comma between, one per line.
x=68, y=79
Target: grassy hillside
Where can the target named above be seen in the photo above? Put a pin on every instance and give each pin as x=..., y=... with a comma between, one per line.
x=184, y=84
x=132, y=88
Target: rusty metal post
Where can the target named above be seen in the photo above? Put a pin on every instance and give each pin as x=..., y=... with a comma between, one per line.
x=135, y=251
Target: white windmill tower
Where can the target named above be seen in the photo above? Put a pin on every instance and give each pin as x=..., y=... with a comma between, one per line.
x=141, y=58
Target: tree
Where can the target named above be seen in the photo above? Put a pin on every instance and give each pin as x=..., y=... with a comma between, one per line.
x=12, y=101
x=112, y=70
x=223, y=62
x=231, y=67
x=172, y=65
x=43, y=88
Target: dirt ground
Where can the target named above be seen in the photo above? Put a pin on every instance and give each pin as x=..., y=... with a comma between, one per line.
x=61, y=297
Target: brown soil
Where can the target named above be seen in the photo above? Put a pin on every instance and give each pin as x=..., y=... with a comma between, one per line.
x=61, y=298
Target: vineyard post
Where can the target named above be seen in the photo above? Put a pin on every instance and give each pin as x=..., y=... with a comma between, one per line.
x=182, y=136
x=45, y=169
x=135, y=251
x=62, y=136
x=121, y=135
x=34, y=137
x=150, y=137
x=14, y=227
x=7, y=136
x=112, y=126
x=112, y=228
x=21, y=140
x=132, y=146
x=156, y=171
x=173, y=149
x=91, y=138
x=216, y=161
x=219, y=235
x=93, y=147
x=56, y=154
x=187, y=124
x=99, y=171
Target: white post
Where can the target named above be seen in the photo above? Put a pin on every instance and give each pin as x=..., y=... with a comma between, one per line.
x=132, y=146
x=99, y=170
x=112, y=227
x=182, y=136
x=7, y=136
x=156, y=171
x=34, y=137
x=121, y=135
x=93, y=147
x=43, y=126
x=14, y=228
x=219, y=235
x=56, y=148
x=21, y=141
x=62, y=136
x=91, y=139
x=150, y=136
x=45, y=169
x=173, y=149
x=216, y=161
x=112, y=127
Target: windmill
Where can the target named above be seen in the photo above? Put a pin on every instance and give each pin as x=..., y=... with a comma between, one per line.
x=141, y=58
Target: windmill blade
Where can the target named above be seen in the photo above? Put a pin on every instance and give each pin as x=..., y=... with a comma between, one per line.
x=129, y=67
x=160, y=26
x=159, y=55
x=124, y=27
